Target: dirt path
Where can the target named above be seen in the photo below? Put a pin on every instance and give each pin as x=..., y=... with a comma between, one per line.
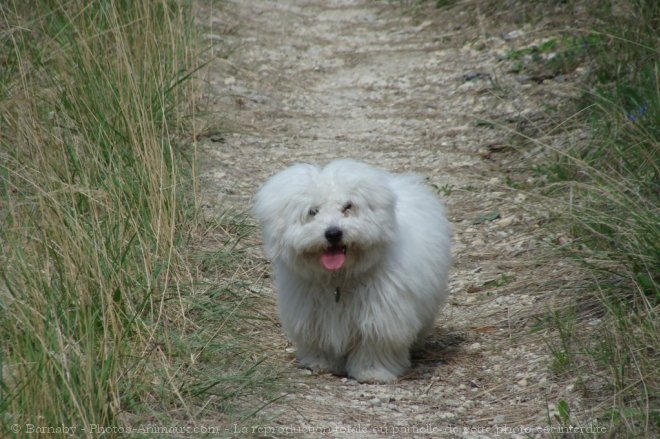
x=314, y=80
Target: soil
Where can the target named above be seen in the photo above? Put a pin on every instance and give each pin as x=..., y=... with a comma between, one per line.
x=409, y=89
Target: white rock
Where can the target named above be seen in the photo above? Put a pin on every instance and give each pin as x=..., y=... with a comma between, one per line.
x=506, y=221
x=375, y=402
x=446, y=416
x=475, y=346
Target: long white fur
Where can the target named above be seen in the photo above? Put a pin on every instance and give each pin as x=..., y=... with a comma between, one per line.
x=394, y=280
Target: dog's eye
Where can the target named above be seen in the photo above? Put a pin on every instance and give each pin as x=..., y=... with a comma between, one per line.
x=313, y=211
x=348, y=206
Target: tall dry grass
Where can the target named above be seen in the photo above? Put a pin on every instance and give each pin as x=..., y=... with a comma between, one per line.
x=100, y=315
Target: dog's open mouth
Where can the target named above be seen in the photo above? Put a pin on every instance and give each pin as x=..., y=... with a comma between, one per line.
x=333, y=257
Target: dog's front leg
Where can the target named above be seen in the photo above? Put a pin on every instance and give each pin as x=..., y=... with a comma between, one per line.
x=378, y=361
x=319, y=361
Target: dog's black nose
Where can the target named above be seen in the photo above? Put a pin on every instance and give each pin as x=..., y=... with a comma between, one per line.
x=333, y=235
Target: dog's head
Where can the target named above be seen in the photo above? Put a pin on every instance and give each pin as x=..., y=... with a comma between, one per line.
x=336, y=219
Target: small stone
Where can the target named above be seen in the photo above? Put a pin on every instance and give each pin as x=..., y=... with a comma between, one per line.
x=214, y=37
x=475, y=346
x=446, y=416
x=517, y=33
x=506, y=221
x=423, y=26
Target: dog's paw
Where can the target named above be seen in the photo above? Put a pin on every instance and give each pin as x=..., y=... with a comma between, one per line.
x=320, y=364
x=373, y=375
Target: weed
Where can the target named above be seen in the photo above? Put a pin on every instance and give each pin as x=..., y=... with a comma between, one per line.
x=563, y=412
x=563, y=351
x=501, y=281
x=446, y=189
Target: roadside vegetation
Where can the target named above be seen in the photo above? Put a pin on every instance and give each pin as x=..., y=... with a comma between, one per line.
x=609, y=181
x=601, y=173
x=112, y=314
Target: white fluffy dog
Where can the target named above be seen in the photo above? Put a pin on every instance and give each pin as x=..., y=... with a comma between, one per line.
x=361, y=259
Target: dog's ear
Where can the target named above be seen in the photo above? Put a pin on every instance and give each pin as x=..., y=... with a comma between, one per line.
x=279, y=202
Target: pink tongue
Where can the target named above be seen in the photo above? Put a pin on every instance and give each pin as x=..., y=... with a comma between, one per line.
x=333, y=259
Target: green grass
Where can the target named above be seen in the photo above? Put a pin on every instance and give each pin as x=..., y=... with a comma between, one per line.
x=104, y=316
x=417, y=6
x=554, y=56
x=612, y=182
